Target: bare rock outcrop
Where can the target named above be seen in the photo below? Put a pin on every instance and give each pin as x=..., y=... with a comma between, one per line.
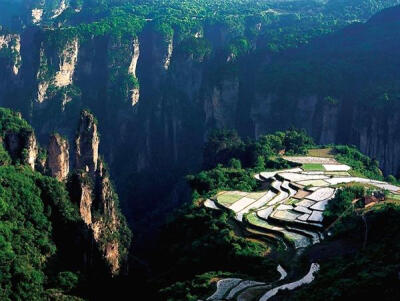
x=22, y=146
x=51, y=74
x=87, y=143
x=58, y=157
x=97, y=199
x=12, y=42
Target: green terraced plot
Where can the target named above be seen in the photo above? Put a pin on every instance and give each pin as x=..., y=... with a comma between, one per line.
x=313, y=167
x=255, y=220
x=292, y=201
x=256, y=195
x=392, y=196
x=321, y=152
x=228, y=198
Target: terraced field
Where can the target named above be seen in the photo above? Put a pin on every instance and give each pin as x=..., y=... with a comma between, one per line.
x=243, y=290
x=290, y=212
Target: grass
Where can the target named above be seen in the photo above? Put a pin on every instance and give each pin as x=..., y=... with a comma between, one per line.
x=392, y=196
x=313, y=167
x=292, y=202
x=256, y=195
x=255, y=220
x=356, y=173
x=321, y=152
x=228, y=198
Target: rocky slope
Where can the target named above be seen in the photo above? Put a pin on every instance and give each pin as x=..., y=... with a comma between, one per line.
x=97, y=200
x=89, y=182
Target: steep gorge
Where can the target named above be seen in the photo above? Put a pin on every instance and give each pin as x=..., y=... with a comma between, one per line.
x=156, y=99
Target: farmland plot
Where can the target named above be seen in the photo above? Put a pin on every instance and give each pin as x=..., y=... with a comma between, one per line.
x=285, y=215
x=241, y=204
x=223, y=286
x=310, y=160
x=305, y=203
x=286, y=186
x=264, y=213
x=287, y=212
x=241, y=286
x=336, y=167
x=228, y=198
x=296, y=198
x=342, y=180
x=316, y=217
x=321, y=194
x=320, y=205
x=386, y=186
x=296, y=177
x=308, y=278
x=315, y=183
x=210, y=204
x=260, y=202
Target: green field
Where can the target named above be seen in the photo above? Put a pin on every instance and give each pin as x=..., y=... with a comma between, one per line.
x=313, y=167
x=392, y=196
x=321, y=152
x=255, y=220
x=256, y=195
x=228, y=198
x=291, y=201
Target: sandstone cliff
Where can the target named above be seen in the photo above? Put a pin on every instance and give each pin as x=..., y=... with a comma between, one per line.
x=97, y=200
x=57, y=68
x=11, y=43
x=22, y=146
x=87, y=144
x=188, y=87
x=58, y=157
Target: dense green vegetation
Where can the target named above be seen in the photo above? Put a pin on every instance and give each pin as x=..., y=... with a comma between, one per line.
x=210, y=231
x=206, y=30
x=223, y=145
x=12, y=122
x=361, y=56
x=35, y=214
x=206, y=241
x=361, y=164
x=342, y=203
x=230, y=162
x=209, y=241
x=47, y=252
x=30, y=204
x=370, y=267
x=280, y=24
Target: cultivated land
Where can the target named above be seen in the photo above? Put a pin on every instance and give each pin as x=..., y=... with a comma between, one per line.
x=290, y=212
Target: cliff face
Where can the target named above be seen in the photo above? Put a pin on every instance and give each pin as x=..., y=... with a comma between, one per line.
x=87, y=144
x=90, y=187
x=157, y=97
x=56, y=69
x=97, y=199
x=11, y=44
x=58, y=157
x=134, y=92
x=45, y=10
x=22, y=146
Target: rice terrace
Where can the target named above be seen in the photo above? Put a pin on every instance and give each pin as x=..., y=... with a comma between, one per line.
x=291, y=212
